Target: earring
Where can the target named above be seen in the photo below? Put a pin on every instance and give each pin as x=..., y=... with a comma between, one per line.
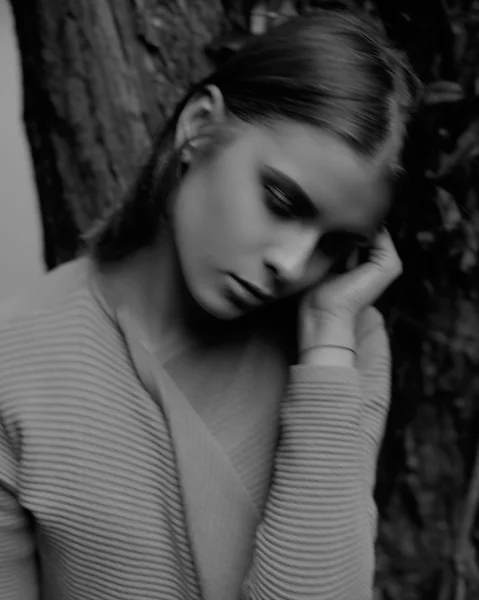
x=184, y=157
x=185, y=153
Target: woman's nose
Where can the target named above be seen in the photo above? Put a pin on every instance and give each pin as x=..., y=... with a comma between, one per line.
x=291, y=256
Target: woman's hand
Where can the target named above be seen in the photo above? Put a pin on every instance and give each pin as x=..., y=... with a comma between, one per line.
x=328, y=313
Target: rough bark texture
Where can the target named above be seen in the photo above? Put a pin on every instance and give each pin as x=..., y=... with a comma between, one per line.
x=99, y=77
x=428, y=478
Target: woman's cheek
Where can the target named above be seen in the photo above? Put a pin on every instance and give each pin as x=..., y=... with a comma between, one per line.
x=320, y=267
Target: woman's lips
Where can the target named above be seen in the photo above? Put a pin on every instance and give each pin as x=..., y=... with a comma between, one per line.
x=248, y=292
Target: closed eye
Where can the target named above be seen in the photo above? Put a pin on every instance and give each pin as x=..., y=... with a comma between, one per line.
x=278, y=202
x=284, y=197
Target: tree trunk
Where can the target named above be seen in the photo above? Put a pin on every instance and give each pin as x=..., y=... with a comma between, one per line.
x=99, y=76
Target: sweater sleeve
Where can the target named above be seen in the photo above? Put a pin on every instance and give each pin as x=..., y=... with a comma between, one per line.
x=18, y=579
x=316, y=538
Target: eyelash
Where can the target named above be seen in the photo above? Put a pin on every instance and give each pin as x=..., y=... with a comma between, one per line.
x=278, y=202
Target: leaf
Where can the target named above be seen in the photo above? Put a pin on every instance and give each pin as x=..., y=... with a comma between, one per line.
x=443, y=92
x=265, y=14
x=467, y=146
x=450, y=214
x=469, y=256
x=225, y=46
x=460, y=41
x=425, y=238
x=259, y=18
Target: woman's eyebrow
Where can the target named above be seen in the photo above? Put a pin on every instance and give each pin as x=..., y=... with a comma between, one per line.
x=293, y=189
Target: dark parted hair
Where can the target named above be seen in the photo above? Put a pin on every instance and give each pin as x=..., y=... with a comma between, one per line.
x=335, y=70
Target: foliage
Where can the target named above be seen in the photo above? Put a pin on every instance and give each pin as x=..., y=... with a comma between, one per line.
x=428, y=482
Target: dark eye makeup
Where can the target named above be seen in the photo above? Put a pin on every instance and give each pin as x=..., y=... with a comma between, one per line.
x=284, y=197
x=278, y=202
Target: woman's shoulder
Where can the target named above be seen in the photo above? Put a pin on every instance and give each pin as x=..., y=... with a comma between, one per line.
x=51, y=292
x=49, y=325
x=57, y=336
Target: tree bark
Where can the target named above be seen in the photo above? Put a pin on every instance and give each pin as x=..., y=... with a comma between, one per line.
x=99, y=76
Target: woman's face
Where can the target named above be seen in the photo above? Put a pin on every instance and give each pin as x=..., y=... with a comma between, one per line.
x=269, y=214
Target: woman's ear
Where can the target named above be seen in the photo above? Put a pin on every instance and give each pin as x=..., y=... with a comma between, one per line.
x=205, y=110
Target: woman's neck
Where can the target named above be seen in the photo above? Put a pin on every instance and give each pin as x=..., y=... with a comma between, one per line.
x=150, y=285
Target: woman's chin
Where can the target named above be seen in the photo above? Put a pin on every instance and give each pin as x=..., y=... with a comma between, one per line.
x=225, y=311
x=221, y=307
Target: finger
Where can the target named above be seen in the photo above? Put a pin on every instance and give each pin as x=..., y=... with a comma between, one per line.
x=383, y=267
x=353, y=260
x=384, y=254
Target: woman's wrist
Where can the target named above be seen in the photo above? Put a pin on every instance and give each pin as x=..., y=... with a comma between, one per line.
x=333, y=342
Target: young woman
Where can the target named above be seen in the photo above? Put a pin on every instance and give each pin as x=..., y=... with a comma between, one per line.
x=193, y=409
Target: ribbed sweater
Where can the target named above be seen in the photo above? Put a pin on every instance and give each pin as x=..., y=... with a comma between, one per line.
x=223, y=474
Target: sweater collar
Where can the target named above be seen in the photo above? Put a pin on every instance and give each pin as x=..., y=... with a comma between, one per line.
x=220, y=514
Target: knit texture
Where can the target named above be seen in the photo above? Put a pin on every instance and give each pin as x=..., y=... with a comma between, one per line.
x=92, y=501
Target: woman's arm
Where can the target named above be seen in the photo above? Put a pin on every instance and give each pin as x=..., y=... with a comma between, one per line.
x=316, y=539
x=18, y=577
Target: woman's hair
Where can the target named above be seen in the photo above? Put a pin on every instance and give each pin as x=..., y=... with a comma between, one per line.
x=335, y=70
